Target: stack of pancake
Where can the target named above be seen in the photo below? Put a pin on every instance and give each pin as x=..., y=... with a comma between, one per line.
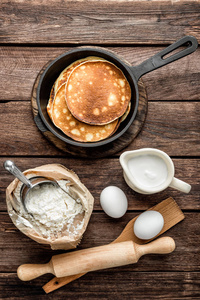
x=89, y=100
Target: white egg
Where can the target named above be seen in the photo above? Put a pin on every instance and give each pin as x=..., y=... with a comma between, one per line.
x=113, y=201
x=148, y=224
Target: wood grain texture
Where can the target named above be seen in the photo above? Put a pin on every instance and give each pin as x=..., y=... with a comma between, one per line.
x=180, y=130
x=177, y=81
x=132, y=285
x=34, y=32
x=127, y=22
x=101, y=231
x=105, y=172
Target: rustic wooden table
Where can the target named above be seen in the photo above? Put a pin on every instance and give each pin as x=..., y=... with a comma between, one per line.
x=34, y=32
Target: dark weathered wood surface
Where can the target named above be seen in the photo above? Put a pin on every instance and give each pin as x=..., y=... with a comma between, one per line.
x=187, y=248
x=34, y=32
x=97, y=22
x=110, y=284
x=177, y=134
x=176, y=81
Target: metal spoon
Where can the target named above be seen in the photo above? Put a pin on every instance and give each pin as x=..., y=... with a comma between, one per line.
x=28, y=184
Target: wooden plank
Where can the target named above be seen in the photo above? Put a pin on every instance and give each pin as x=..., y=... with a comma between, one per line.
x=105, y=172
x=140, y=285
x=138, y=29
x=176, y=81
x=180, y=130
x=18, y=248
x=98, y=22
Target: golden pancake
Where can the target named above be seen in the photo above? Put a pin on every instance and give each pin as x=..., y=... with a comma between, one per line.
x=97, y=92
x=50, y=103
x=122, y=118
x=59, y=82
x=66, y=72
x=63, y=78
x=125, y=115
x=79, y=131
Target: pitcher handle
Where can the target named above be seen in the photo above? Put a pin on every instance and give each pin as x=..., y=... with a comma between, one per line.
x=180, y=185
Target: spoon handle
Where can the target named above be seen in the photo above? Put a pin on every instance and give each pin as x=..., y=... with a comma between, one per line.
x=11, y=167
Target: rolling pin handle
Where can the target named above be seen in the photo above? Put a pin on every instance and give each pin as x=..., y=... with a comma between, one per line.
x=28, y=272
x=162, y=245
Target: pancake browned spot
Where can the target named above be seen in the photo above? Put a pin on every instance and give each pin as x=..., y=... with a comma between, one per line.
x=97, y=92
x=79, y=131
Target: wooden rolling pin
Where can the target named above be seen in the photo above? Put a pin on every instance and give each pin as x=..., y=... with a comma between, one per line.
x=97, y=258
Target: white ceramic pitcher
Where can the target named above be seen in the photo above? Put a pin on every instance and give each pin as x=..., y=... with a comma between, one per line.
x=170, y=180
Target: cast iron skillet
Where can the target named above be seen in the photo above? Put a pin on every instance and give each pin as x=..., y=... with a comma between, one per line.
x=132, y=74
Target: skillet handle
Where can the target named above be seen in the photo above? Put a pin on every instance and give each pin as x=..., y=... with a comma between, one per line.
x=158, y=59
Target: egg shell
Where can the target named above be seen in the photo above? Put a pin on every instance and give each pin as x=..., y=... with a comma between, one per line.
x=113, y=201
x=148, y=224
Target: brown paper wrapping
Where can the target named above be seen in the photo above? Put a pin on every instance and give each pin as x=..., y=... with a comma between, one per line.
x=57, y=172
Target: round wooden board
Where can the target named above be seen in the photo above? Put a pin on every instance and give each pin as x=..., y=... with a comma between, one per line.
x=100, y=151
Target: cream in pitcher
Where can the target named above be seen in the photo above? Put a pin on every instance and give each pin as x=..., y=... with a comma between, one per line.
x=149, y=171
